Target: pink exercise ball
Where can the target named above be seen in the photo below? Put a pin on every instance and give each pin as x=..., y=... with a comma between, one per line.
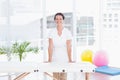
x=100, y=59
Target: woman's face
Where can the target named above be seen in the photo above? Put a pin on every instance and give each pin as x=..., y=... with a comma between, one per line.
x=59, y=20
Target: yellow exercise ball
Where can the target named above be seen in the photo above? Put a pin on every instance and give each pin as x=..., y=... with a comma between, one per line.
x=87, y=56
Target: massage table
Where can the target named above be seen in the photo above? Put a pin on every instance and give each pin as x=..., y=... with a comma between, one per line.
x=27, y=67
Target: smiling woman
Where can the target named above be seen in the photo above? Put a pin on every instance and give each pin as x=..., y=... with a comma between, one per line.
x=59, y=48
x=59, y=41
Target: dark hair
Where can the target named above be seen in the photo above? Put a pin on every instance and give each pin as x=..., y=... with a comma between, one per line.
x=59, y=14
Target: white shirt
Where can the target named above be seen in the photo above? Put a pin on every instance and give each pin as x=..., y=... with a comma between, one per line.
x=59, y=45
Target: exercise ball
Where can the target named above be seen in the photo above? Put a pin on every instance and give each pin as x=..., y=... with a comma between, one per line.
x=100, y=58
x=87, y=56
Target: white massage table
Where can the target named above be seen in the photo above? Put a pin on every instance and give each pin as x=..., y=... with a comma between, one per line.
x=28, y=67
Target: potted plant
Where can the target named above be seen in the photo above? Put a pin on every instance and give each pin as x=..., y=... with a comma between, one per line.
x=19, y=49
x=3, y=50
x=3, y=53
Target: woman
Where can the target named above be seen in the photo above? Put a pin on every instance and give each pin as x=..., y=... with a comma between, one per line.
x=59, y=49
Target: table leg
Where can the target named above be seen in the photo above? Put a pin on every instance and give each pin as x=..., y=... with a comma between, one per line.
x=54, y=78
x=87, y=76
x=22, y=76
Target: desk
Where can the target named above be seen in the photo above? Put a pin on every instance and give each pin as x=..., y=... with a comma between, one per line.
x=28, y=67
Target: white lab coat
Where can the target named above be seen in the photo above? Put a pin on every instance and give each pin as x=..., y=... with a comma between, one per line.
x=59, y=45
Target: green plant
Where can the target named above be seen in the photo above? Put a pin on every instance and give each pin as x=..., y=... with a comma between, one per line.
x=3, y=50
x=19, y=49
